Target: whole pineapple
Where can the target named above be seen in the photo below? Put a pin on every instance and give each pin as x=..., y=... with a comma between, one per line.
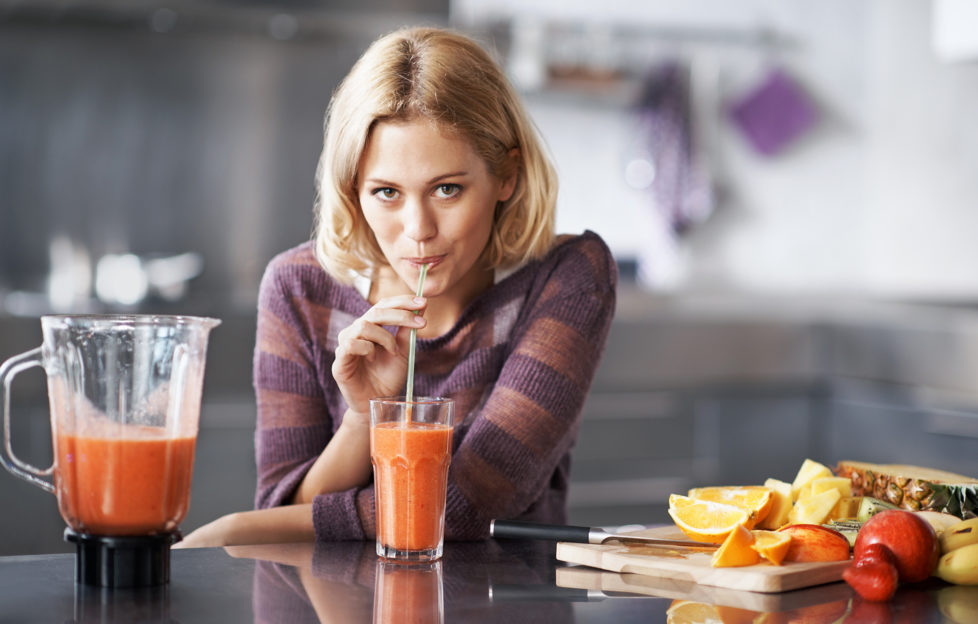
x=913, y=487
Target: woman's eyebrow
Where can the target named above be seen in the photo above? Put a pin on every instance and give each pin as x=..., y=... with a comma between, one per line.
x=379, y=181
x=434, y=180
x=454, y=174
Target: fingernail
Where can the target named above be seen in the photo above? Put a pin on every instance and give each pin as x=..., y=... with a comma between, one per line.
x=419, y=321
x=419, y=299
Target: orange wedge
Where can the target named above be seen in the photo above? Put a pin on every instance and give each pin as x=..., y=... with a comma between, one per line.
x=756, y=499
x=736, y=550
x=771, y=545
x=705, y=521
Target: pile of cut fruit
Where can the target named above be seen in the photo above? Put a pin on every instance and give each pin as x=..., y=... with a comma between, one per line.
x=902, y=523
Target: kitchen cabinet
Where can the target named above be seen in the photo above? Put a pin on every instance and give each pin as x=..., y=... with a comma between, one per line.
x=632, y=450
x=887, y=423
x=745, y=436
x=733, y=392
x=636, y=448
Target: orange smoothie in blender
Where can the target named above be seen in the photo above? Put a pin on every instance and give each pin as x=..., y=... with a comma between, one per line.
x=134, y=484
x=410, y=463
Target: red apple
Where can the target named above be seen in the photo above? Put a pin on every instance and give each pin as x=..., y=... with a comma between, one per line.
x=910, y=538
x=874, y=580
x=812, y=542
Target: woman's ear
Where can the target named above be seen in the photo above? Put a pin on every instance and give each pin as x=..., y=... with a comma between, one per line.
x=508, y=185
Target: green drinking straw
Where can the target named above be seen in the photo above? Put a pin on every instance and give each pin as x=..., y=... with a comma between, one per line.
x=413, y=338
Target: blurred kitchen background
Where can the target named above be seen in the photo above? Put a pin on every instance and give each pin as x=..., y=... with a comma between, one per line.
x=789, y=186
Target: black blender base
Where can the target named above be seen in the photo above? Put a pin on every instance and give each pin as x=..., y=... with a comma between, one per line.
x=122, y=561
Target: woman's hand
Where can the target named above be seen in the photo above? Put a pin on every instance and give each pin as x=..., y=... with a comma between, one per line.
x=370, y=362
x=277, y=525
x=214, y=533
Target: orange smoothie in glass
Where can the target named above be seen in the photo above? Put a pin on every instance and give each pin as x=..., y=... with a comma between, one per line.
x=136, y=484
x=410, y=463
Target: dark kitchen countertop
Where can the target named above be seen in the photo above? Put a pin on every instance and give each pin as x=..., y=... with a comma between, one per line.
x=492, y=581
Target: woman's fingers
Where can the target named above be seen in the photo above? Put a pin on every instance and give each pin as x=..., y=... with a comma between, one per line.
x=367, y=331
x=370, y=359
x=361, y=337
x=404, y=302
x=403, y=310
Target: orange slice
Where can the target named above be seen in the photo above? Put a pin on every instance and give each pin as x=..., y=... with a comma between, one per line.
x=756, y=499
x=771, y=545
x=736, y=550
x=690, y=612
x=705, y=521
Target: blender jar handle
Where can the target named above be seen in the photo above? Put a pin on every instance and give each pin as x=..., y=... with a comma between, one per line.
x=15, y=466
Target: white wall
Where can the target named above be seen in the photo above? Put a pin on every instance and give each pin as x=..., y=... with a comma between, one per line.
x=881, y=199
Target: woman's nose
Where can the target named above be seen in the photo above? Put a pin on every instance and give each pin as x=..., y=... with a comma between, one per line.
x=419, y=222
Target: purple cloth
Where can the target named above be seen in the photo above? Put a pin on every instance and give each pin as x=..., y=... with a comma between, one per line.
x=774, y=114
x=682, y=187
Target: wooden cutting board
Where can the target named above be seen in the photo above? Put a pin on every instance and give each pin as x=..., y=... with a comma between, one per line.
x=614, y=584
x=693, y=566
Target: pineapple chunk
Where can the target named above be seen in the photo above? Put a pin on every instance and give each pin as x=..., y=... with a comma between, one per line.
x=821, y=484
x=847, y=507
x=809, y=471
x=777, y=517
x=815, y=509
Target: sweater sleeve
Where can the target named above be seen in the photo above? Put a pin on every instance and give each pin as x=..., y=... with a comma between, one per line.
x=294, y=423
x=531, y=418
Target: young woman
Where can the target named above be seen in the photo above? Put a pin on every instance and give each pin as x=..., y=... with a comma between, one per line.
x=429, y=158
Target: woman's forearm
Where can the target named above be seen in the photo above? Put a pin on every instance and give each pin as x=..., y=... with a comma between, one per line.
x=343, y=464
x=277, y=525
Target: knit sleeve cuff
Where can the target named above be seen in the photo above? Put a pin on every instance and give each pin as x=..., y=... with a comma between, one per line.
x=335, y=517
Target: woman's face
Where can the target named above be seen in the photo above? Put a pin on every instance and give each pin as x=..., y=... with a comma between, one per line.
x=429, y=198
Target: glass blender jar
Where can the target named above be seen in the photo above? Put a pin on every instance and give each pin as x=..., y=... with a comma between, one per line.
x=125, y=395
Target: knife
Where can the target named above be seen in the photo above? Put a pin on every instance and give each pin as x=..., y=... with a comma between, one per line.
x=532, y=593
x=511, y=529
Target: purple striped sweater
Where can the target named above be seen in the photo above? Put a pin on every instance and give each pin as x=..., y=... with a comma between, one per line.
x=518, y=362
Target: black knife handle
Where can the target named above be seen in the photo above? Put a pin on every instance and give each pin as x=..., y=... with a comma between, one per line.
x=533, y=593
x=511, y=529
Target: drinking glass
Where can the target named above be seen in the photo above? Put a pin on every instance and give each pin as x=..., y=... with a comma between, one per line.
x=410, y=448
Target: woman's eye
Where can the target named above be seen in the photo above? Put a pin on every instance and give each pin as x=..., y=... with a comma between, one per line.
x=385, y=193
x=448, y=190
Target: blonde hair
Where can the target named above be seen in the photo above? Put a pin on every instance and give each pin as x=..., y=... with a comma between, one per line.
x=448, y=78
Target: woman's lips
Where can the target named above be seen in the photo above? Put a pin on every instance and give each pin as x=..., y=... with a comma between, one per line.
x=431, y=261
